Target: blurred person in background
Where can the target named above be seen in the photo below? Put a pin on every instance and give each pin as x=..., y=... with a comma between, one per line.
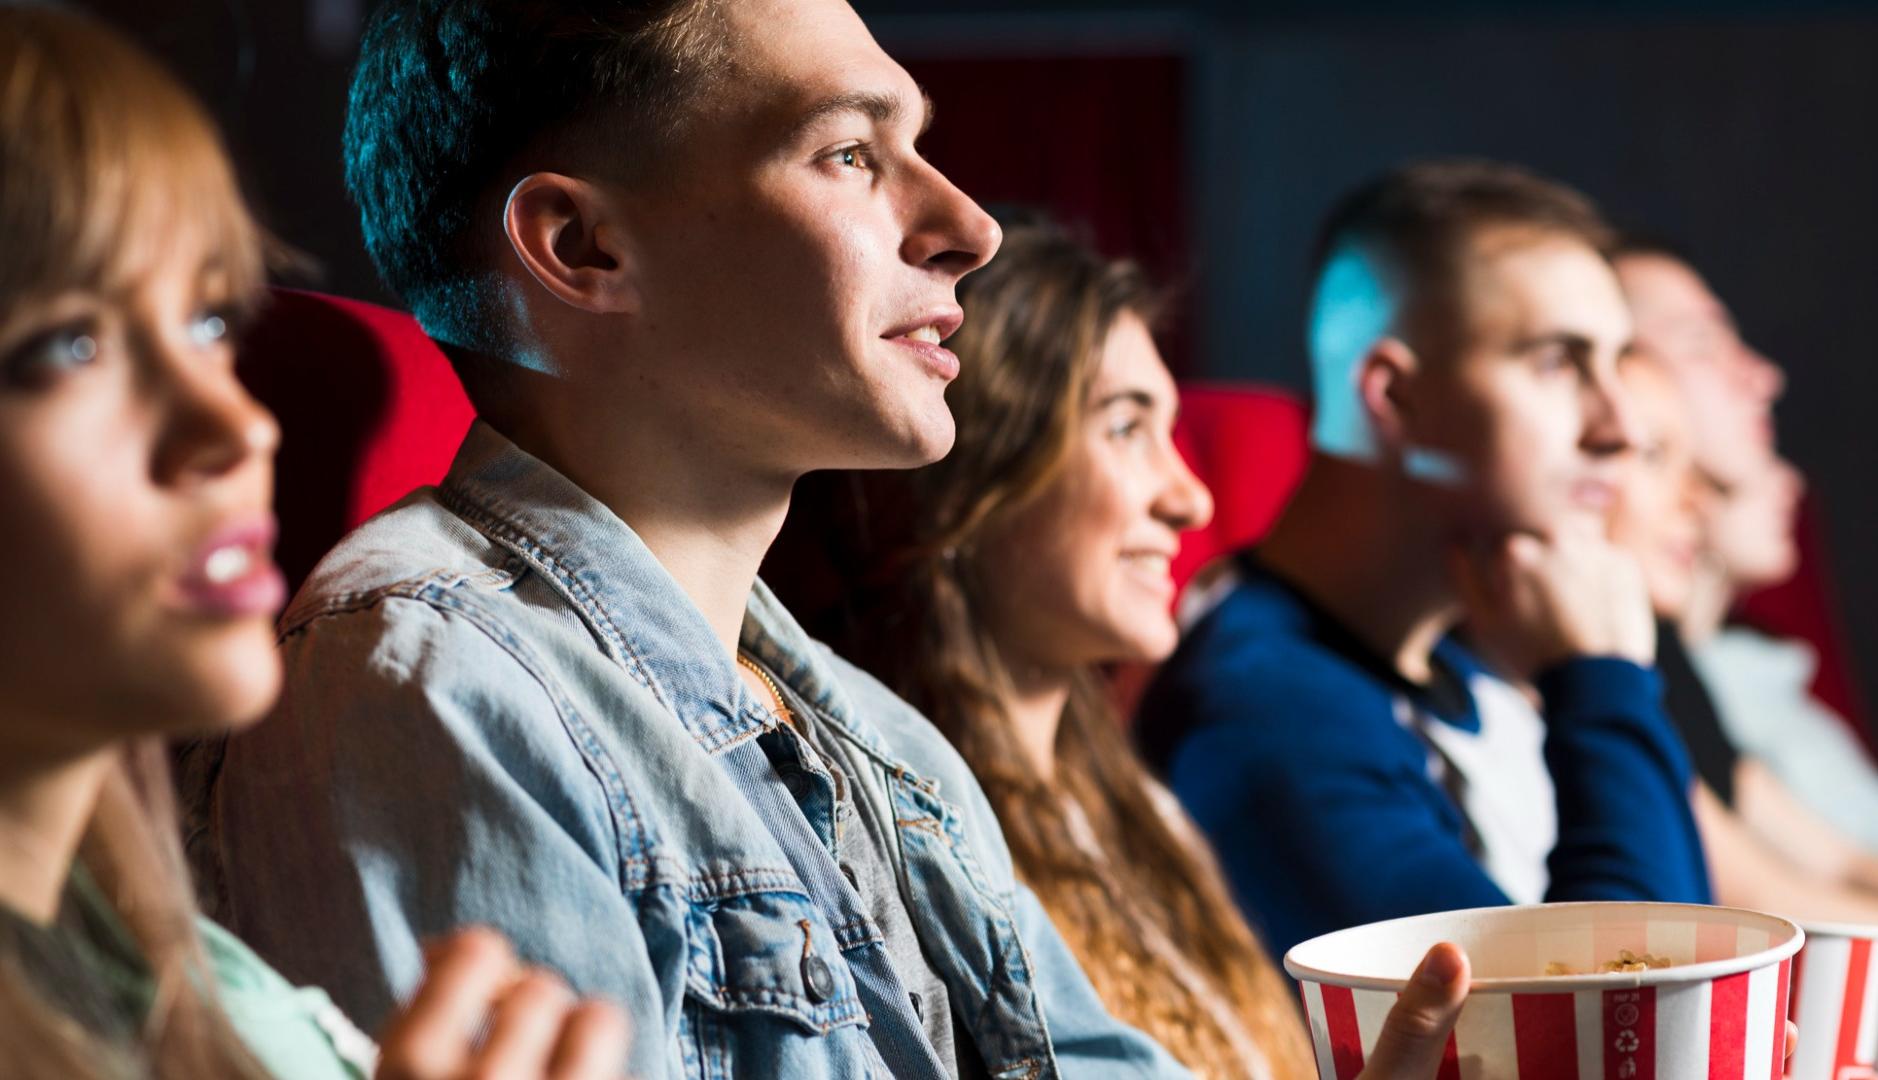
x=1786, y=860
x=1797, y=761
x=137, y=598
x=1350, y=759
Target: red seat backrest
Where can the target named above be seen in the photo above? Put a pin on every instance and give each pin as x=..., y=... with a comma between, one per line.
x=1249, y=444
x=369, y=409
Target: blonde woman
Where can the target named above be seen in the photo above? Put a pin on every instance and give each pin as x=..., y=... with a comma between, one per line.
x=137, y=596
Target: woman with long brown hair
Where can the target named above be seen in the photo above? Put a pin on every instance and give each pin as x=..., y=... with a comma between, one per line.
x=137, y=595
x=988, y=588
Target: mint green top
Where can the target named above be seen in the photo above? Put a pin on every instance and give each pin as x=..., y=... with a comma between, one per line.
x=296, y=1033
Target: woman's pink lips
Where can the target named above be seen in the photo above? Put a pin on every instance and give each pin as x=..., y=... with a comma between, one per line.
x=260, y=588
x=260, y=593
x=1157, y=582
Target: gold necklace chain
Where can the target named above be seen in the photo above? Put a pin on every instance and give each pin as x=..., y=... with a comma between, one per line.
x=782, y=709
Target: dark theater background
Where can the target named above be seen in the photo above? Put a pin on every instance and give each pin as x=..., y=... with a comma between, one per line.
x=1208, y=138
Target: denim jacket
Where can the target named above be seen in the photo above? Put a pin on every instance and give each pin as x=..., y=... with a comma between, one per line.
x=501, y=710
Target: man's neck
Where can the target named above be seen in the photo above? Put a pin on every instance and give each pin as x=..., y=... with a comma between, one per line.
x=708, y=522
x=44, y=810
x=1711, y=595
x=1355, y=542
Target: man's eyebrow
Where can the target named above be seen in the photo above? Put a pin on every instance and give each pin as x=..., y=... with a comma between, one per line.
x=1571, y=339
x=882, y=108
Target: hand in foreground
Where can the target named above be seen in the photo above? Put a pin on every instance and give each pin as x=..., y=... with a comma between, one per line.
x=1415, y=1034
x=536, y=1029
x=1539, y=602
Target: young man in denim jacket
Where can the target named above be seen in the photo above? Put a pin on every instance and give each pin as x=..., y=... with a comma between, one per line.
x=681, y=253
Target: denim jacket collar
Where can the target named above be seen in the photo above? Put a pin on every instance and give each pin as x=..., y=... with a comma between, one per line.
x=643, y=619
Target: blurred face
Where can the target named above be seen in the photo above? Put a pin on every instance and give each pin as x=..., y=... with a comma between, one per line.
x=1750, y=525
x=135, y=473
x=1527, y=422
x=1079, y=575
x=1657, y=516
x=1731, y=389
x=802, y=263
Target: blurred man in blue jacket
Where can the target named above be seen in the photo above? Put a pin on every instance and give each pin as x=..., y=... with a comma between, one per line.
x=1349, y=756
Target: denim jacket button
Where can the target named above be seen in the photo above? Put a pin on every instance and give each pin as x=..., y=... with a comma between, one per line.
x=817, y=978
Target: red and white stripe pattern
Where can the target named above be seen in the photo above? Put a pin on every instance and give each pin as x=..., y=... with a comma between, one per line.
x=1732, y=1028
x=1835, y=1003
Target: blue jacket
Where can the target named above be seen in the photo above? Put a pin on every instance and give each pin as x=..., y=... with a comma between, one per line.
x=500, y=709
x=1283, y=738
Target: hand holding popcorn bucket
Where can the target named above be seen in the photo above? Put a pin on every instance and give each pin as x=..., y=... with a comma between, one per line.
x=1700, y=992
x=1835, y=1000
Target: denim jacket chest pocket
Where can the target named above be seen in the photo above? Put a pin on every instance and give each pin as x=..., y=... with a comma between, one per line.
x=770, y=952
x=764, y=970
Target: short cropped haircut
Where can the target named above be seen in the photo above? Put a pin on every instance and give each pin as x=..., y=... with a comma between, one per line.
x=1640, y=244
x=453, y=101
x=1418, y=223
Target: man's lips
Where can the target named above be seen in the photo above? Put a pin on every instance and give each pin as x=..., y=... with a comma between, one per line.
x=933, y=326
x=923, y=334
x=1594, y=493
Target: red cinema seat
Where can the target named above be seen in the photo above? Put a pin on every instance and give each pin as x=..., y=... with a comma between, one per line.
x=369, y=409
x=1249, y=444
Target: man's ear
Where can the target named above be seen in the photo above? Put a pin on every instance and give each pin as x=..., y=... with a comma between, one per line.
x=572, y=239
x=1385, y=382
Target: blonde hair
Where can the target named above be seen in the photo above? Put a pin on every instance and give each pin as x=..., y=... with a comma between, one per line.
x=104, y=157
x=1126, y=880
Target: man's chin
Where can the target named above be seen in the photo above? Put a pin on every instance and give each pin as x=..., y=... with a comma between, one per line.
x=930, y=451
x=929, y=439
x=906, y=448
x=1492, y=523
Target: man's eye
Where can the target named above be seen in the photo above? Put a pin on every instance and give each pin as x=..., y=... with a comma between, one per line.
x=852, y=157
x=1553, y=360
x=50, y=353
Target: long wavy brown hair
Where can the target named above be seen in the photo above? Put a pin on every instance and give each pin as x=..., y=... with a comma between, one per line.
x=102, y=151
x=1126, y=880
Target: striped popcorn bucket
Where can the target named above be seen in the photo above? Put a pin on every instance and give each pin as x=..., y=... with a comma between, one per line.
x=1719, y=1012
x=1835, y=1002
